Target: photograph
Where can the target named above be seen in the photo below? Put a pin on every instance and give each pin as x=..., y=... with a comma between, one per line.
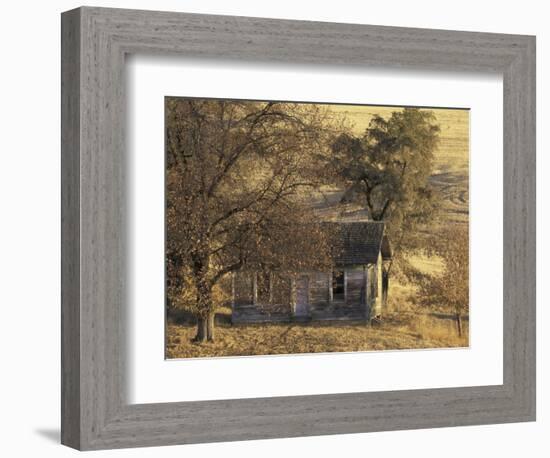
x=296, y=227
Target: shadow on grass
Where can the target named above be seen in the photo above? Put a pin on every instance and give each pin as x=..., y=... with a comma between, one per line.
x=447, y=316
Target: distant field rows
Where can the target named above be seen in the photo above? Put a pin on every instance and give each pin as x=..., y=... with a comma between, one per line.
x=454, y=189
x=451, y=165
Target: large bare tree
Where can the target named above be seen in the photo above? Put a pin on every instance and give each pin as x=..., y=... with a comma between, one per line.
x=237, y=172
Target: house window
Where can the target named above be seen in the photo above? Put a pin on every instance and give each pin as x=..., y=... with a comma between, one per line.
x=264, y=287
x=338, y=285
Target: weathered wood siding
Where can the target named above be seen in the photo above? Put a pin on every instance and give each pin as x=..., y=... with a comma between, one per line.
x=319, y=284
x=281, y=289
x=355, y=286
x=372, y=282
x=279, y=302
x=375, y=288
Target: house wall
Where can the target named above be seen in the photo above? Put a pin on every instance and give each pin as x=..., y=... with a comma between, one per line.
x=319, y=284
x=282, y=293
x=376, y=284
x=246, y=295
x=243, y=289
x=355, y=290
x=362, y=284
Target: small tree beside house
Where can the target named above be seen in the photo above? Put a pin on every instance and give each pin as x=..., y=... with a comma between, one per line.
x=451, y=288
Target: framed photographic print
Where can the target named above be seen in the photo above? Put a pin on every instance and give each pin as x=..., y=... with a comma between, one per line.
x=285, y=228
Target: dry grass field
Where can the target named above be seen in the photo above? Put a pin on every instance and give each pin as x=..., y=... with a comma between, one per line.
x=406, y=325
x=398, y=331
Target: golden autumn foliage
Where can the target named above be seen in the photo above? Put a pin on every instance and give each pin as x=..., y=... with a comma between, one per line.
x=235, y=175
x=450, y=289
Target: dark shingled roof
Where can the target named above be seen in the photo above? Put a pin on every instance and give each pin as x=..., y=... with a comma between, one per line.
x=357, y=242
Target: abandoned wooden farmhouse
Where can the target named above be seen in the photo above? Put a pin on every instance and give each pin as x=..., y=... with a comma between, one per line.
x=352, y=290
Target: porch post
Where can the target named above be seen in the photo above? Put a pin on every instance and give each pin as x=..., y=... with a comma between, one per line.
x=293, y=295
x=367, y=292
x=379, y=284
x=254, y=288
x=330, y=292
x=345, y=286
x=233, y=291
x=270, y=287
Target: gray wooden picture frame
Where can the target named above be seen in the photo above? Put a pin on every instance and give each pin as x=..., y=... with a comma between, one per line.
x=95, y=412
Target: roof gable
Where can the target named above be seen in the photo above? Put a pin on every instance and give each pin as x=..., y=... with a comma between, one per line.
x=356, y=242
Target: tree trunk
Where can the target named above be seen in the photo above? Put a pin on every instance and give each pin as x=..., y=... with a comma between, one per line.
x=210, y=326
x=458, y=318
x=202, y=332
x=205, y=326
